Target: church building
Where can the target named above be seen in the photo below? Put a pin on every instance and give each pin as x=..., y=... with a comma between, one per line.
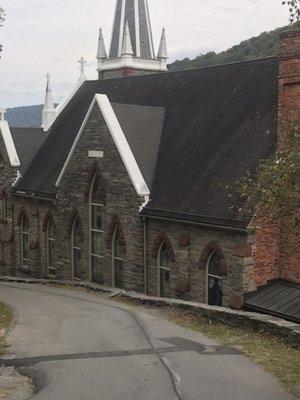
x=124, y=185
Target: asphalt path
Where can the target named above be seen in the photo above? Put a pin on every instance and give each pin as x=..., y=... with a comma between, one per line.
x=76, y=345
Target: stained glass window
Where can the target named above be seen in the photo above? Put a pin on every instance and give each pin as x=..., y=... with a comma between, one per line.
x=77, y=239
x=215, y=280
x=25, y=242
x=96, y=211
x=51, y=247
x=164, y=271
x=117, y=260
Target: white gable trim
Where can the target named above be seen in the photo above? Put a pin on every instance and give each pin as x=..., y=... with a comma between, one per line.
x=9, y=144
x=120, y=141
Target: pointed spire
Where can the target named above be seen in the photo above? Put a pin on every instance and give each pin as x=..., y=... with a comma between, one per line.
x=2, y=114
x=49, y=112
x=163, y=51
x=127, y=46
x=82, y=63
x=101, y=54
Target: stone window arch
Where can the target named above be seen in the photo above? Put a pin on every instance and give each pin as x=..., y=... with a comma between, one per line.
x=97, y=202
x=25, y=226
x=213, y=262
x=116, y=243
x=164, y=254
x=76, y=244
x=50, y=230
x=4, y=207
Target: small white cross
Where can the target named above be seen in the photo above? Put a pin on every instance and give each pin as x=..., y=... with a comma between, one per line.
x=82, y=63
x=48, y=76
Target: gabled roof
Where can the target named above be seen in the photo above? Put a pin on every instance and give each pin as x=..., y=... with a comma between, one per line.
x=120, y=140
x=142, y=127
x=280, y=298
x=219, y=122
x=27, y=141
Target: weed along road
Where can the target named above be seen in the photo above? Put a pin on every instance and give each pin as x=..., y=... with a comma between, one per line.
x=76, y=345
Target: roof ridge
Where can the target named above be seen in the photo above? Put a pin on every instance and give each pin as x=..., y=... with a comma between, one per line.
x=185, y=70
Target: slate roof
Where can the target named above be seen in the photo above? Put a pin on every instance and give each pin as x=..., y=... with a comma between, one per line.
x=279, y=298
x=142, y=126
x=219, y=122
x=27, y=141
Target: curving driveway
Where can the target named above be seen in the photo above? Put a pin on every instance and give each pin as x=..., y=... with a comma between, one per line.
x=78, y=346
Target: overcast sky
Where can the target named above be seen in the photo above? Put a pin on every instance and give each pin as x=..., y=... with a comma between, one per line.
x=41, y=36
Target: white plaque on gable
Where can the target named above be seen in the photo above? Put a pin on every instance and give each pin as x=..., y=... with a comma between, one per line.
x=96, y=154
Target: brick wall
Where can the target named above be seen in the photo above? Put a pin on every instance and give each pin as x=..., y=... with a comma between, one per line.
x=124, y=72
x=277, y=248
x=289, y=123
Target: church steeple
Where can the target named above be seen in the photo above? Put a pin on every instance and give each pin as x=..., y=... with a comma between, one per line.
x=49, y=113
x=136, y=14
x=131, y=46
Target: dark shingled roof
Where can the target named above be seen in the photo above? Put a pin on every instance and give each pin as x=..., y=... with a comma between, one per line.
x=279, y=298
x=142, y=125
x=27, y=142
x=219, y=123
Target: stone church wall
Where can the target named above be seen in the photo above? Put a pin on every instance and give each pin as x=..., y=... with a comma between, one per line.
x=191, y=246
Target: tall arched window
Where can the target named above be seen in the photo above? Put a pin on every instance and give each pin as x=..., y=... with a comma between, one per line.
x=24, y=241
x=164, y=271
x=76, y=247
x=117, y=259
x=50, y=233
x=97, y=233
x=4, y=211
x=214, y=279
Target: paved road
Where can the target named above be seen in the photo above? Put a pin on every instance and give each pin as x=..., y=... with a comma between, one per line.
x=80, y=346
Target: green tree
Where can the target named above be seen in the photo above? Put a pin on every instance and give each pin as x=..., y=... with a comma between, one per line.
x=274, y=190
x=294, y=9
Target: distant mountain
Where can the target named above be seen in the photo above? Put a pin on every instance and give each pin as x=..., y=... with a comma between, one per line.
x=26, y=117
x=264, y=45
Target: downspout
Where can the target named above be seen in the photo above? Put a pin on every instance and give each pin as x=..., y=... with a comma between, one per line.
x=145, y=254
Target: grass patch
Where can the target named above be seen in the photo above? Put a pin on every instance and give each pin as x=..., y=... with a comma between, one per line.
x=270, y=352
x=6, y=317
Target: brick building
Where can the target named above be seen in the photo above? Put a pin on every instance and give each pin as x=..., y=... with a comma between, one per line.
x=124, y=186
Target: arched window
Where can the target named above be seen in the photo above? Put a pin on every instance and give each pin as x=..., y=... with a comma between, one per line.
x=24, y=241
x=76, y=247
x=50, y=233
x=97, y=232
x=164, y=271
x=4, y=209
x=117, y=253
x=1, y=161
x=214, y=279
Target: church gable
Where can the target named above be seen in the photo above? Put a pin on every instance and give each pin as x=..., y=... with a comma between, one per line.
x=102, y=140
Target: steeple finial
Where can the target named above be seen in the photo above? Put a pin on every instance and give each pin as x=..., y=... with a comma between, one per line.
x=49, y=113
x=163, y=51
x=101, y=53
x=2, y=114
x=127, y=46
x=82, y=63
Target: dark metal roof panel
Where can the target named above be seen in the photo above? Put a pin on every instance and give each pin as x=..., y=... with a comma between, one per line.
x=279, y=298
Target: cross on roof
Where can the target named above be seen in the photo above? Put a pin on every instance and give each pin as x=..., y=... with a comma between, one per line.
x=48, y=76
x=82, y=63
